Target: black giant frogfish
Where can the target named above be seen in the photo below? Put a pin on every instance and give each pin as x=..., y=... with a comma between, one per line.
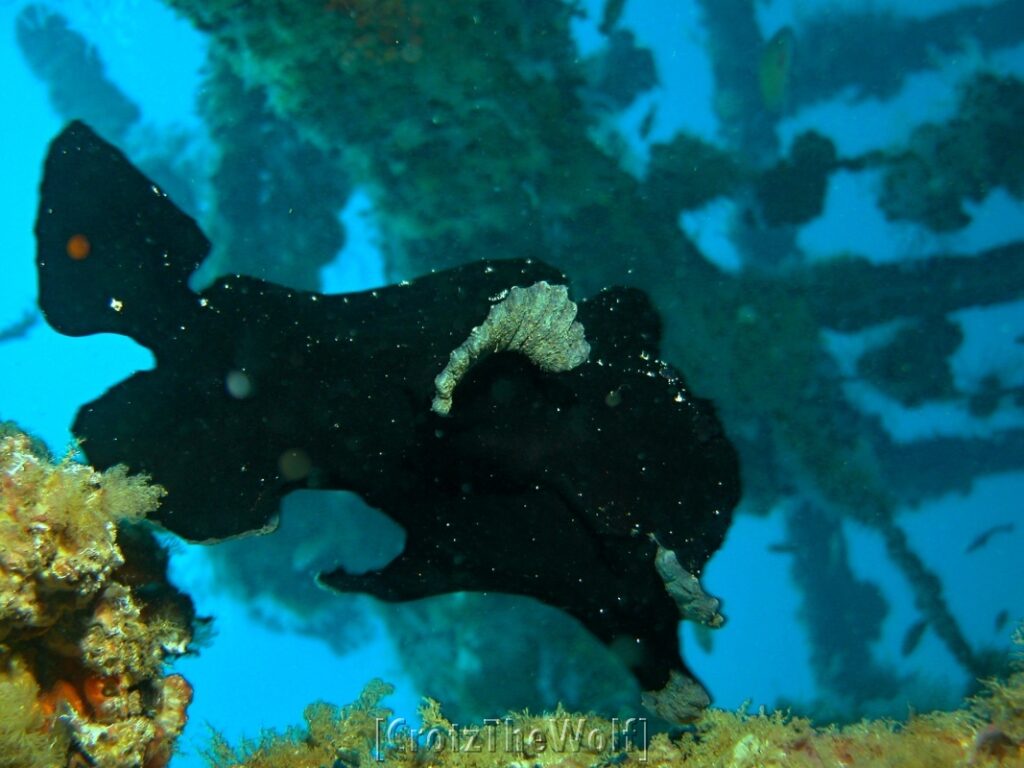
x=527, y=445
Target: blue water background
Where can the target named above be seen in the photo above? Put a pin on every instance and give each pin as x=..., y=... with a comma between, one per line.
x=250, y=677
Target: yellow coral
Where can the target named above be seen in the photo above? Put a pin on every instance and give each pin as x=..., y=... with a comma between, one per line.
x=118, y=639
x=69, y=616
x=24, y=740
x=58, y=530
x=984, y=733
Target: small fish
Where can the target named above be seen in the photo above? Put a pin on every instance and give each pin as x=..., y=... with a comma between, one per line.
x=648, y=122
x=705, y=637
x=782, y=548
x=775, y=67
x=1001, y=619
x=610, y=15
x=913, y=637
x=982, y=538
x=21, y=327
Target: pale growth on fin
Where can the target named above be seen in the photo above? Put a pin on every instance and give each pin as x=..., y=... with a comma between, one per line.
x=685, y=589
x=538, y=321
x=682, y=700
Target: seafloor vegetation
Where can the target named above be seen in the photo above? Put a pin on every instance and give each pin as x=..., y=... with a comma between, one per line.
x=987, y=731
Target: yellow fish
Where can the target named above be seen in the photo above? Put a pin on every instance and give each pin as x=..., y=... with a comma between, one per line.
x=774, y=68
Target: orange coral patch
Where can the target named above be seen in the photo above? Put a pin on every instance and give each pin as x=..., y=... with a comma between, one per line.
x=99, y=691
x=61, y=691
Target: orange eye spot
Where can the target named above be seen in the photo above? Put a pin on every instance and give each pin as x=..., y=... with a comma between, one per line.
x=78, y=247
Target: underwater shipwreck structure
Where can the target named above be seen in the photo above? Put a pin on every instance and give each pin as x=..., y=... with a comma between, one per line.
x=486, y=145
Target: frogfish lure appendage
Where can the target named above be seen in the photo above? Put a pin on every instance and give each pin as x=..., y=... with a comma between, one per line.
x=538, y=321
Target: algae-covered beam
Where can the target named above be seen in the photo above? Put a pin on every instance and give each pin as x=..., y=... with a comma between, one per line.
x=872, y=52
x=928, y=469
x=20, y=328
x=73, y=72
x=945, y=166
x=843, y=614
x=736, y=45
x=910, y=288
x=274, y=197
